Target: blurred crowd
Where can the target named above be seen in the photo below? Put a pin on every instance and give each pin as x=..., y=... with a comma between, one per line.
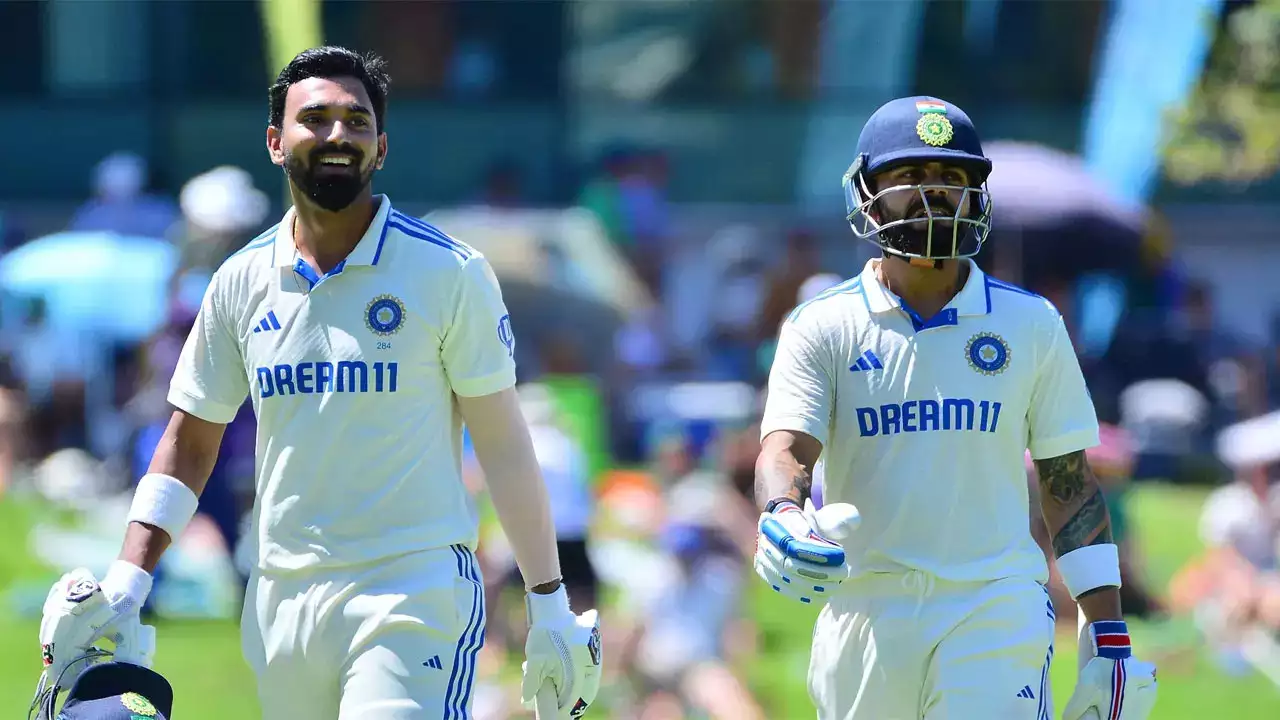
x=648, y=439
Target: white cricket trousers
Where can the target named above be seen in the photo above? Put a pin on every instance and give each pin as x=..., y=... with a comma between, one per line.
x=395, y=640
x=911, y=646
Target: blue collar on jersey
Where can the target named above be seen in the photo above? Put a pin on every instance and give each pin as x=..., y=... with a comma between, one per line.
x=366, y=252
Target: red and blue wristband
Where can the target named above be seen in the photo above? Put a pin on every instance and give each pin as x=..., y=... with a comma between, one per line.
x=1110, y=639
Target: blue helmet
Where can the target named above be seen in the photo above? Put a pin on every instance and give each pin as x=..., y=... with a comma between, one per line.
x=916, y=131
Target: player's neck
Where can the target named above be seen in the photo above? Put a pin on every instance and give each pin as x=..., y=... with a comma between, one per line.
x=325, y=238
x=924, y=289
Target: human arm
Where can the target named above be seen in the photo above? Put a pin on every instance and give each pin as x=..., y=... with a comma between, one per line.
x=785, y=467
x=798, y=550
x=796, y=417
x=187, y=453
x=1075, y=513
x=1062, y=424
x=478, y=353
x=519, y=495
x=208, y=387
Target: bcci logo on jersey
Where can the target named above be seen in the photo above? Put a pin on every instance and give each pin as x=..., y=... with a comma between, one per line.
x=384, y=314
x=987, y=353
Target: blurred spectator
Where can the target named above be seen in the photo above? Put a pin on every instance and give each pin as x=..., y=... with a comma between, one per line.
x=52, y=367
x=683, y=652
x=503, y=186
x=222, y=210
x=602, y=195
x=628, y=195
x=1233, y=587
x=120, y=203
x=801, y=262
x=1233, y=367
x=738, y=288
x=12, y=421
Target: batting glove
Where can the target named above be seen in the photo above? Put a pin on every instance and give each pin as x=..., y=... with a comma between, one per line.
x=78, y=611
x=1114, y=685
x=798, y=551
x=563, y=650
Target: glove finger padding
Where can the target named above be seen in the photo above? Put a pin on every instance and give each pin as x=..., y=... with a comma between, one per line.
x=814, y=566
x=795, y=578
x=76, y=614
x=1113, y=690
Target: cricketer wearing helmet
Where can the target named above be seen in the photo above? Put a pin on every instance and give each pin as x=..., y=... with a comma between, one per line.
x=921, y=383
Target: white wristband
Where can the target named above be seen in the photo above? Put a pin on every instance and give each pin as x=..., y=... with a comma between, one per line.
x=1090, y=567
x=165, y=502
x=544, y=606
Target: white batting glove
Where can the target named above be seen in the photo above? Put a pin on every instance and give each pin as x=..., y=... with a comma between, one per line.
x=798, y=551
x=1113, y=685
x=78, y=611
x=563, y=650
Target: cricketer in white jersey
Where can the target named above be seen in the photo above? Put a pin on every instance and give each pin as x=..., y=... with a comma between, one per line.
x=364, y=338
x=922, y=413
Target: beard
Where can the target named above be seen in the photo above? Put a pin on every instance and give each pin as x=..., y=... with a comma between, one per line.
x=329, y=187
x=912, y=237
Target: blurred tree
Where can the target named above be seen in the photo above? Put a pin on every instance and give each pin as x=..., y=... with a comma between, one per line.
x=1229, y=130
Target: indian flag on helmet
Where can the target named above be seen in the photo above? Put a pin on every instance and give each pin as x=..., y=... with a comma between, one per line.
x=930, y=106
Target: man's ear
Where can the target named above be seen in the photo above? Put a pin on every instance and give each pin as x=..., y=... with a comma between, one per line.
x=275, y=146
x=382, y=151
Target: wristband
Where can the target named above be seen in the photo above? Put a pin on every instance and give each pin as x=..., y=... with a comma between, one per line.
x=779, y=503
x=1089, y=568
x=164, y=502
x=544, y=606
x=1110, y=639
x=126, y=586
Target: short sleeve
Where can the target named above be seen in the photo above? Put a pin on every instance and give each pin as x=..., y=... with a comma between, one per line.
x=210, y=381
x=479, y=347
x=801, y=390
x=1062, y=418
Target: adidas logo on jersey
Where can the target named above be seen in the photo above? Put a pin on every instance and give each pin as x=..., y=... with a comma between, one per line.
x=433, y=662
x=1025, y=692
x=268, y=323
x=868, y=361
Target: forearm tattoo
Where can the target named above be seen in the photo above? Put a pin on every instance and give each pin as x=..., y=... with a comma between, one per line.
x=1062, y=478
x=785, y=477
x=1072, y=503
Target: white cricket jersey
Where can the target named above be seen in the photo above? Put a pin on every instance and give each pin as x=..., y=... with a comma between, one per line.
x=352, y=377
x=925, y=424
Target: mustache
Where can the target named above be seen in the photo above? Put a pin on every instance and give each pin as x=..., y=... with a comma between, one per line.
x=939, y=206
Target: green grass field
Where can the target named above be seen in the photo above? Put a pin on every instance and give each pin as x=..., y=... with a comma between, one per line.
x=211, y=681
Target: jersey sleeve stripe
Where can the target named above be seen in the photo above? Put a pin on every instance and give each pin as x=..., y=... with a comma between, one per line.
x=429, y=229
x=1001, y=285
x=266, y=239
x=434, y=239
